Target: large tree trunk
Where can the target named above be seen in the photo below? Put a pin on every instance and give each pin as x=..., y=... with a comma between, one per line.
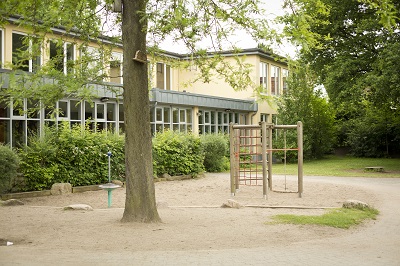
x=140, y=203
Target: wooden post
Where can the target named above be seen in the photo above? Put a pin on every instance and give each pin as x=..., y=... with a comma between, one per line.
x=270, y=127
x=300, y=157
x=232, y=158
x=264, y=158
x=237, y=157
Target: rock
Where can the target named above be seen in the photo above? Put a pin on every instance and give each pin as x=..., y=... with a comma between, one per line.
x=118, y=182
x=355, y=204
x=79, y=207
x=231, y=204
x=61, y=188
x=165, y=175
x=12, y=202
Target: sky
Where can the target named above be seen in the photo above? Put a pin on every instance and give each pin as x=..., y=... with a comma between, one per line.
x=242, y=40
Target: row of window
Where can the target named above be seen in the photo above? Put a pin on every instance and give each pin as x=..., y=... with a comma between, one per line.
x=27, y=56
x=273, y=84
x=17, y=123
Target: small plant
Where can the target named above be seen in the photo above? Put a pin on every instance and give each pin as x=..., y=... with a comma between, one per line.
x=9, y=164
x=338, y=218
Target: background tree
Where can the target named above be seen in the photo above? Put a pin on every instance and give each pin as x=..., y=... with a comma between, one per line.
x=303, y=102
x=352, y=47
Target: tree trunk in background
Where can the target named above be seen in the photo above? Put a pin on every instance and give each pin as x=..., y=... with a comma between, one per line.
x=140, y=203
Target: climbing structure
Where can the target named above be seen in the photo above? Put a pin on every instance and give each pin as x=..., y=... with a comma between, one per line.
x=251, y=155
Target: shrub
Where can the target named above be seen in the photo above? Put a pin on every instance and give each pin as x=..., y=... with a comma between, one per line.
x=9, y=163
x=215, y=149
x=76, y=156
x=177, y=153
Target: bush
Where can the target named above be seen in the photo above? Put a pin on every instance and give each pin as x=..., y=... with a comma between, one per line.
x=76, y=156
x=177, y=153
x=215, y=149
x=9, y=164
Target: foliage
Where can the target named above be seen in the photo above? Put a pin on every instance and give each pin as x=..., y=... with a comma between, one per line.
x=9, y=165
x=177, y=153
x=343, y=166
x=72, y=155
x=376, y=134
x=303, y=103
x=215, y=150
x=339, y=218
x=352, y=47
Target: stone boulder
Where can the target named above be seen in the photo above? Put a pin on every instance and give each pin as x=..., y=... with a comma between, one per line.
x=61, y=188
x=355, y=204
x=231, y=204
x=11, y=202
x=79, y=207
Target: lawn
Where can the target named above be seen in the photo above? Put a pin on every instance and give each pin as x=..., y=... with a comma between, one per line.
x=343, y=166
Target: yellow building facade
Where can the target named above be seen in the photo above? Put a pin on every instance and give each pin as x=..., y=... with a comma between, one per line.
x=198, y=107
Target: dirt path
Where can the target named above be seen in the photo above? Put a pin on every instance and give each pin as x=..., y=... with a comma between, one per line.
x=196, y=230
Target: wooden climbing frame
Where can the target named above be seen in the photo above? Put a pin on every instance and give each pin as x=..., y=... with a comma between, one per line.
x=251, y=155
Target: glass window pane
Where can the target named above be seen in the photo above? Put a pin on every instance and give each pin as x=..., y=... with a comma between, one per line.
x=100, y=111
x=182, y=116
x=175, y=115
x=70, y=57
x=159, y=114
x=189, y=115
x=62, y=109
x=110, y=112
x=4, y=109
x=57, y=55
x=18, y=132
x=75, y=110
x=89, y=111
x=121, y=112
x=33, y=109
x=167, y=114
x=4, y=131
x=206, y=117
x=19, y=49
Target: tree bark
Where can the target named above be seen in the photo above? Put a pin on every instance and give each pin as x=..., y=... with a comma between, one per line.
x=140, y=203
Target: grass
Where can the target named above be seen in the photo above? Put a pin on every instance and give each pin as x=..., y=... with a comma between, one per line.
x=339, y=218
x=343, y=166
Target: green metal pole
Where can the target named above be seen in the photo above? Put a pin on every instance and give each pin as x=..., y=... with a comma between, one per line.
x=109, y=198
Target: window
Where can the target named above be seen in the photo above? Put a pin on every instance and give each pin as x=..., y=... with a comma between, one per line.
x=26, y=52
x=285, y=75
x=264, y=117
x=275, y=78
x=116, y=68
x=163, y=76
x=264, y=77
x=4, y=122
x=164, y=118
x=62, y=56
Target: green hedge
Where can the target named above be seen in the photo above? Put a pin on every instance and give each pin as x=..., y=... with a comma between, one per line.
x=177, y=153
x=72, y=155
x=80, y=156
x=216, y=151
x=9, y=164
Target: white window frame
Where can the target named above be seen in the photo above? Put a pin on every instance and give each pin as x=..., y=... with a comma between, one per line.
x=30, y=61
x=264, y=77
x=275, y=70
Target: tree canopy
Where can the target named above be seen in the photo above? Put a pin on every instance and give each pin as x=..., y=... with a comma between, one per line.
x=352, y=47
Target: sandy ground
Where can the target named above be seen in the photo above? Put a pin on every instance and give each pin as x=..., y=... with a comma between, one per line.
x=191, y=218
